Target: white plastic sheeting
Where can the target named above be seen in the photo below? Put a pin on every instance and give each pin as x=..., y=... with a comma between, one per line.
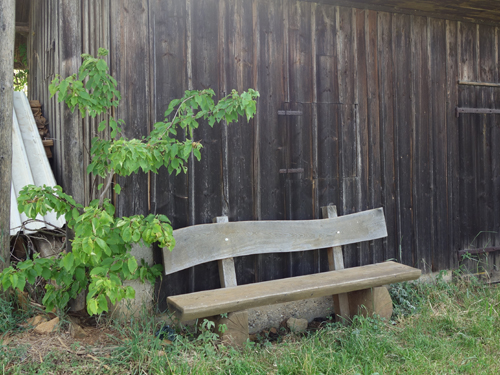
x=29, y=166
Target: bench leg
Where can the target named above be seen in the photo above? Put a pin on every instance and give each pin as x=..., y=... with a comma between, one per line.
x=236, y=325
x=371, y=301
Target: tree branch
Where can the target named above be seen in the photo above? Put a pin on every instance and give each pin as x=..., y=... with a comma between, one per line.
x=108, y=184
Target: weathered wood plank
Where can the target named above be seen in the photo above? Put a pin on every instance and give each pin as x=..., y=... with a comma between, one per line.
x=270, y=82
x=206, y=178
x=220, y=241
x=130, y=66
x=437, y=43
x=374, y=197
x=386, y=112
x=219, y=301
x=422, y=151
x=467, y=57
x=403, y=137
x=363, y=191
x=453, y=139
x=227, y=271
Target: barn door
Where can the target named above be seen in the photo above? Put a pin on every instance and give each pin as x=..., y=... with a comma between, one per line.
x=479, y=169
x=319, y=166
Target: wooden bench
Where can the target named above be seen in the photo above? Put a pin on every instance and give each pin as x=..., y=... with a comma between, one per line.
x=352, y=288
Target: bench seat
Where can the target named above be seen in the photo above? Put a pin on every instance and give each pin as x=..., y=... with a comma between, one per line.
x=218, y=301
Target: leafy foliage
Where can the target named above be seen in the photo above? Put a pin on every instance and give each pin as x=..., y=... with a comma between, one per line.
x=100, y=259
x=21, y=75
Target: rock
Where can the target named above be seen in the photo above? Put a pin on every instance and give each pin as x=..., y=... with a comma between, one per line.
x=297, y=325
x=35, y=321
x=76, y=331
x=47, y=327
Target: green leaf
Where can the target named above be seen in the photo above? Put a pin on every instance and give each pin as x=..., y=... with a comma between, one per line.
x=92, y=306
x=68, y=261
x=117, y=188
x=98, y=271
x=132, y=264
x=102, y=126
x=46, y=274
x=75, y=213
x=101, y=65
x=80, y=274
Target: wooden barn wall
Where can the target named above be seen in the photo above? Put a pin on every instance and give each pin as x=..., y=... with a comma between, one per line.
x=377, y=92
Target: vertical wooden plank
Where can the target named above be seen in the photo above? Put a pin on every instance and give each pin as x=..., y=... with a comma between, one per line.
x=299, y=195
x=373, y=122
x=72, y=163
x=495, y=140
x=131, y=69
x=268, y=78
x=422, y=139
x=485, y=201
x=208, y=178
x=328, y=113
x=437, y=41
x=403, y=137
x=467, y=72
x=168, y=38
x=386, y=112
x=363, y=196
x=349, y=148
x=453, y=140
x=237, y=70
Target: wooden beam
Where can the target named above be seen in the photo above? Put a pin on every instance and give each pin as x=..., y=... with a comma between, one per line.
x=22, y=27
x=219, y=301
x=336, y=262
x=227, y=272
x=486, y=84
x=208, y=242
x=7, y=35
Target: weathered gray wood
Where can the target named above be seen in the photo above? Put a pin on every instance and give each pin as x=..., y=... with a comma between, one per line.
x=336, y=262
x=227, y=272
x=73, y=177
x=219, y=301
x=487, y=84
x=7, y=32
x=223, y=240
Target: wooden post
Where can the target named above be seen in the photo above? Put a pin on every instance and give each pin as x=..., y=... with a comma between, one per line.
x=235, y=323
x=7, y=34
x=336, y=262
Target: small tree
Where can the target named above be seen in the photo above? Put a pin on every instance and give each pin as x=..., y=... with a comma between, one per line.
x=100, y=259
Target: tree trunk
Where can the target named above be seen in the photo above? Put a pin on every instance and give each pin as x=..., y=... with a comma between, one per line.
x=7, y=33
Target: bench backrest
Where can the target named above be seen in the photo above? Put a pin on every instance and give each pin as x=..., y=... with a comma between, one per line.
x=220, y=241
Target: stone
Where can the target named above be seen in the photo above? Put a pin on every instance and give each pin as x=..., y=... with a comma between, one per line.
x=35, y=321
x=76, y=331
x=297, y=325
x=47, y=327
x=236, y=333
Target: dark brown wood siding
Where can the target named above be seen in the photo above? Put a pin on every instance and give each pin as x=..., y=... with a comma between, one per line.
x=377, y=93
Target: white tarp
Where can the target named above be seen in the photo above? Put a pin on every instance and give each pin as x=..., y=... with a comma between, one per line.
x=29, y=165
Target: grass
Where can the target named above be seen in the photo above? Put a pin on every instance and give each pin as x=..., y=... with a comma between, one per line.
x=440, y=328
